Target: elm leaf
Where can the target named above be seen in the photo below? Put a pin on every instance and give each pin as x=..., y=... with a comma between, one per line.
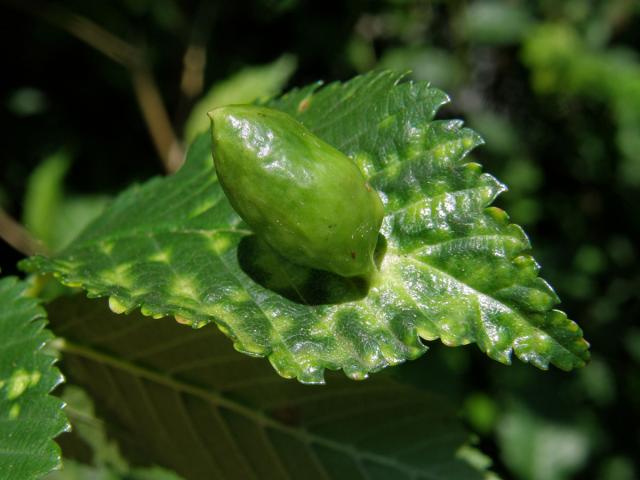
x=184, y=400
x=452, y=267
x=29, y=417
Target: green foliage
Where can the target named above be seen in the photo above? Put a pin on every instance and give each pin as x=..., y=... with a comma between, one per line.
x=184, y=399
x=51, y=215
x=493, y=22
x=27, y=101
x=44, y=195
x=29, y=416
x=453, y=269
x=539, y=448
x=246, y=86
x=561, y=62
x=105, y=462
x=436, y=66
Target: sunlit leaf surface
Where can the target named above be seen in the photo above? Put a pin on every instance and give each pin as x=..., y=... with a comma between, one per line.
x=451, y=266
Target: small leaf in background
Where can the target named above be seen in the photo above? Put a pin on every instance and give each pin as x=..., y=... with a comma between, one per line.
x=599, y=382
x=439, y=67
x=536, y=448
x=499, y=132
x=184, y=399
x=27, y=101
x=481, y=411
x=90, y=430
x=617, y=468
x=74, y=470
x=246, y=86
x=29, y=417
x=44, y=195
x=74, y=214
x=562, y=63
x=104, y=460
x=494, y=22
x=51, y=215
x=452, y=267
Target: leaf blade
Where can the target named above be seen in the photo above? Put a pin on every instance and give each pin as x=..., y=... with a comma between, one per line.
x=185, y=400
x=454, y=268
x=29, y=417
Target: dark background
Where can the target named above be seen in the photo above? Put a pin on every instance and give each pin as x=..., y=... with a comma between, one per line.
x=562, y=126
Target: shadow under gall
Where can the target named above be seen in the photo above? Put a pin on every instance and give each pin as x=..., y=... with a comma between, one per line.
x=300, y=284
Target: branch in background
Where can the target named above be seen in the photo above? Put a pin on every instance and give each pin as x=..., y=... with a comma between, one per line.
x=157, y=119
x=146, y=90
x=94, y=35
x=194, y=61
x=12, y=232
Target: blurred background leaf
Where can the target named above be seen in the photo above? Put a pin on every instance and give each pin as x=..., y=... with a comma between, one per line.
x=184, y=399
x=93, y=454
x=245, y=86
x=54, y=217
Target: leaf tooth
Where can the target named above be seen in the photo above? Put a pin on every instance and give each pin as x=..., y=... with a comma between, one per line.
x=183, y=321
x=282, y=363
x=118, y=305
x=356, y=371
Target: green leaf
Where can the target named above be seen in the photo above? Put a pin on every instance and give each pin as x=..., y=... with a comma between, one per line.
x=75, y=213
x=562, y=62
x=44, y=196
x=451, y=266
x=536, y=448
x=29, y=416
x=491, y=22
x=441, y=67
x=52, y=216
x=89, y=439
x=74, y=470
x=246, y=86
x=183, y=399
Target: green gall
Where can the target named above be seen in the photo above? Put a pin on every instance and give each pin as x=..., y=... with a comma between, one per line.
x=303, y=197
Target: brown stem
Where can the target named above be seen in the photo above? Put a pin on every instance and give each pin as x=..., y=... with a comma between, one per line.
x=157, y=119
x=12, y=232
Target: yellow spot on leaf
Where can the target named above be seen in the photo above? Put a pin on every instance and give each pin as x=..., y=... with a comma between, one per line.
x=20, y=381
x=184, y=287
x=365, y=163
x=106, y=247
x=14, y=411
x=239, y=296
x=162, y=256
x=468, y=142
x=440, y=152
x=220, y=244
x=118, y=276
